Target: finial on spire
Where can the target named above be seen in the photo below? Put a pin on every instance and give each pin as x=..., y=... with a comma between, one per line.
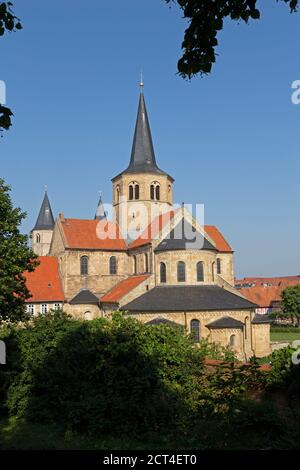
x=141, y=82
x=46, y=188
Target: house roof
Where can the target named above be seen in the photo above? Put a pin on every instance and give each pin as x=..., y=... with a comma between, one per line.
x=268, y=281
x=93, y=235
x=262, y=296
x=45, y=220
x=85, y=296
x=123, y=288
x=265, y=290
x=225, y=322
x=258, y=319
x=44, y=282
x=188, y=298
x=221, y=244
x=142, y=158
x=164, y=321
x=155, y=227
x=185, y=236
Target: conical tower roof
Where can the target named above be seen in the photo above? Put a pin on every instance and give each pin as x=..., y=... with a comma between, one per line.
x=100, y=212
x=45, y=220
x=142, y=158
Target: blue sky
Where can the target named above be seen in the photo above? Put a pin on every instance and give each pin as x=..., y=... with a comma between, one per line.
x=230, y=139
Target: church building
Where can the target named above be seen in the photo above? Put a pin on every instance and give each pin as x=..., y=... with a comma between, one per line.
x=152, y=260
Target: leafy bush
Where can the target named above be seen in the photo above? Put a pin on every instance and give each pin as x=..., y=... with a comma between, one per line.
x=108, y=376
x=282, y=369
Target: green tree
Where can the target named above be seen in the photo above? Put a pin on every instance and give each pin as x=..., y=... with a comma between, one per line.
x=8, y=22
x=15, y=258
x=291, y=303
x=206, y=19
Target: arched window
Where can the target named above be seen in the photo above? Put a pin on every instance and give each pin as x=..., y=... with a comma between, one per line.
x=134, y=191
x=200, y=271
x=181, y=271
x=146, y=263
x=163, y=272
x=112, y=265
x=218, y=266
x=38, y=238
x=88, y=315
x=232, y=341
x=118, y=194
x=84, y=265
x=134, y=261
x=155, y=191
x=195, y=330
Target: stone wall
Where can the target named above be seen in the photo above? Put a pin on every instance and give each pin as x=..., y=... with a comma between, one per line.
x=130, y=213
x=191, y=258
x=98, y=280
x=42, y=247
x=251, y=336
x=261, y=339
x=83, y=312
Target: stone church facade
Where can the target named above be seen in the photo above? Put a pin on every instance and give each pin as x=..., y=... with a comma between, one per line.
x=153, y=261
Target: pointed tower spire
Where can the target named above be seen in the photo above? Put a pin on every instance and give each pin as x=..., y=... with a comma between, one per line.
x=100, y=212
x=142, y=158
x=142, y=153
x=45, y=220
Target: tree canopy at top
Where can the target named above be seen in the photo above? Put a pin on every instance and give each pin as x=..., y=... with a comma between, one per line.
x=206, y=19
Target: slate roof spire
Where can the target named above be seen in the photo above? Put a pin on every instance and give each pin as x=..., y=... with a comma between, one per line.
x=100, y=212
x=142, y=158
x=45, y=220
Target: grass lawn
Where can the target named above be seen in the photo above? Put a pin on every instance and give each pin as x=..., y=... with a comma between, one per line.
x=284, y=336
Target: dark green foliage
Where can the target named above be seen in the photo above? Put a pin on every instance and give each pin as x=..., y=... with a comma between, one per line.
x=5, y=117
x=113, y=377
x=291, y=303
x=15, y=258
x=102, y=382
x=206, y=18
x=283, y=370
x=8, y=22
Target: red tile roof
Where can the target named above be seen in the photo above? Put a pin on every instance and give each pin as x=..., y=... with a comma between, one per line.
x=262, y=296
x=158, y=224
x=265, y=290
x=274, y=281
x=44, y=283
x=221, y=244
x=153, y=229
x=123, y=288
x=93, y=235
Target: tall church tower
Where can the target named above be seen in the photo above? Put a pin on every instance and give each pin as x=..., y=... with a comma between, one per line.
x=143, y=190
x=43, y=229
